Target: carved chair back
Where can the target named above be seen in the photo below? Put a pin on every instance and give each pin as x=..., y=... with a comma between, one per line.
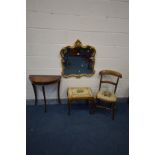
x=111, y=73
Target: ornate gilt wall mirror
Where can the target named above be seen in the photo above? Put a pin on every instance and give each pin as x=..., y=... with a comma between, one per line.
x=78, y=60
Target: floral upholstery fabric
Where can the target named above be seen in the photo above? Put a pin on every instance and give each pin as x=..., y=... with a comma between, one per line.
x=106, y=96
x=79, y=92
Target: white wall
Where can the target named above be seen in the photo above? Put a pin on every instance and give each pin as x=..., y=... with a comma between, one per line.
x=53, y=24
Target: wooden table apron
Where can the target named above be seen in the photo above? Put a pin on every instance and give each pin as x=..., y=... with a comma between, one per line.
x=45, y=80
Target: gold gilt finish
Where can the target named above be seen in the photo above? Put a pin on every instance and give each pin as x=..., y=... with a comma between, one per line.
x=79, y=44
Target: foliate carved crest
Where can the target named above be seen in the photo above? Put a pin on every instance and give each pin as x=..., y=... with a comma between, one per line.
x=78, y=43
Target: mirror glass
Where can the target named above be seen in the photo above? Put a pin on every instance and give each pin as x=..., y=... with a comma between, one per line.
x=78, y=60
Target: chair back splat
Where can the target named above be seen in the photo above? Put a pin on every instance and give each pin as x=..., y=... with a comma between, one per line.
x=112, y=73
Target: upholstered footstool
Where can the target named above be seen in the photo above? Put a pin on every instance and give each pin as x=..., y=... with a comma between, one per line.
x=80, y=93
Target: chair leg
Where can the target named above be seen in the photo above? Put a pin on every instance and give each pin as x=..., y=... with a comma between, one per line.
x=90, y=106
x=98, y=101
x=113, y=111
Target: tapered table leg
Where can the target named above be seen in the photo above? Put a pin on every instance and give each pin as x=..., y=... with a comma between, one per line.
x=43, y=89
x=90, y=105
x=35, y=93
x=59, y=92
x=43, y=80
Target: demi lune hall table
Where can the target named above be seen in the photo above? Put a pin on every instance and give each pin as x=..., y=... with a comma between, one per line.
x=45, y=80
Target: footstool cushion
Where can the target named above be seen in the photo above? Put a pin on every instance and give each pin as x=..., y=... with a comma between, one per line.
x=79, y=93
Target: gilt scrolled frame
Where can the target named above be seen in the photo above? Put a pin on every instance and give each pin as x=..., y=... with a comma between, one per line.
x=78, y=44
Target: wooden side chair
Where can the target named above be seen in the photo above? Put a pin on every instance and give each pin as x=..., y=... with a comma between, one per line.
x=108, y=97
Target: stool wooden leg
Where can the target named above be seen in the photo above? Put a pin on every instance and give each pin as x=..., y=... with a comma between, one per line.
x=43, y=89
x=91, y=106
x=69, y=107
x=94, y=105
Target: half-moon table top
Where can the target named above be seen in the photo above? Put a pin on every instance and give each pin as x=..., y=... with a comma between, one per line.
x=44, y=79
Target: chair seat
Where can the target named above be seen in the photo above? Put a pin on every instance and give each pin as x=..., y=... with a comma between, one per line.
x=106, y=96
